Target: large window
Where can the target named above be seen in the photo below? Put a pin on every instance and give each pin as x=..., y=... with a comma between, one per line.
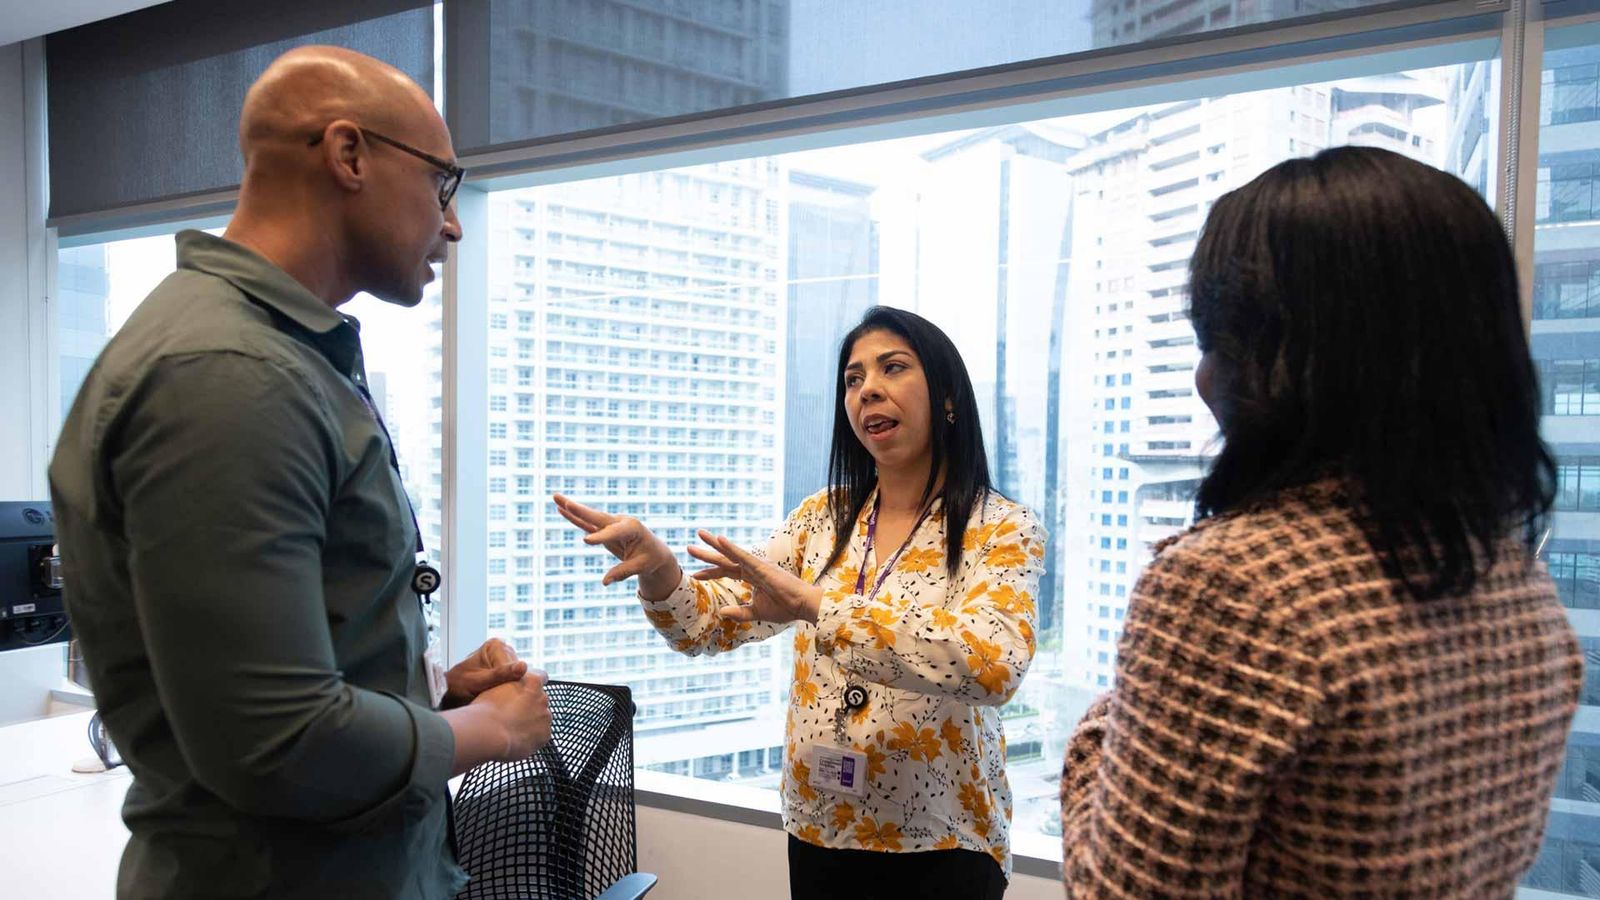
x=1567, y=192
x=1577, y=578
x=1566, y=290
x=1573, y=89
x=103, y=283
x=100, y=286
x=673, y=336
x=643, y=318
x=1566, y=345
x=1569, y=387
x=1578, y=483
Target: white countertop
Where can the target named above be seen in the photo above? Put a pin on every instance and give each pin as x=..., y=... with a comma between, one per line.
x=61, y=833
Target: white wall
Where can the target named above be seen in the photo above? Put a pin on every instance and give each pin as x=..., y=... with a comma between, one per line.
x=26, y=676
x=698, y=858
x=22, y=319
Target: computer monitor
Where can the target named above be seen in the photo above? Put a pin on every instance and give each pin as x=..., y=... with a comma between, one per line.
x=31, y=610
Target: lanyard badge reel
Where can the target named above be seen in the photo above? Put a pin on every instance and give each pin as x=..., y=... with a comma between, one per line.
x=425, y=579
x=839, y=768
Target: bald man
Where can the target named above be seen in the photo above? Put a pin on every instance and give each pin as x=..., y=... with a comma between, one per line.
x=240, y=549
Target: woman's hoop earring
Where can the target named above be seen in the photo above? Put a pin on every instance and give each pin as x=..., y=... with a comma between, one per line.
x=950, y=417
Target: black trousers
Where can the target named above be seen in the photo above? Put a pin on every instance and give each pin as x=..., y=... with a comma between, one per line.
x=818, y=873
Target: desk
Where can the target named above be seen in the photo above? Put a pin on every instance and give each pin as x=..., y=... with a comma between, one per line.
x=61, y=834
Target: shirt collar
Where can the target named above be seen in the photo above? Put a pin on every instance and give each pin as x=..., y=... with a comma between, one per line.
x=335, y=334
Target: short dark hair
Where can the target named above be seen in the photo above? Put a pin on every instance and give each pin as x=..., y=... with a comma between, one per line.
x=957, y=446
x=1364, y=321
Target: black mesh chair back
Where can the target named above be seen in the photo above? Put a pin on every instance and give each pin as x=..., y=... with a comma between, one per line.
x=560, y=824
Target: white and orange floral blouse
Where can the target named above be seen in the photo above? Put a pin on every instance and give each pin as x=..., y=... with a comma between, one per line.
x=937, y=656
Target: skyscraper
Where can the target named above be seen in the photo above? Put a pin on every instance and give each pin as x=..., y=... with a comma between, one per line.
x=990, y=224
x=560, y=66
x=1148, y=182
x=1566, y=348
x=636, y=364
x=993, y=230
x=1470, y=142
x=833, y=279
x=1127, y=21
x=420, y=437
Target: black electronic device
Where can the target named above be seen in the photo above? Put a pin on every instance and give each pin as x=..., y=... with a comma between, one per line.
x=31, y=610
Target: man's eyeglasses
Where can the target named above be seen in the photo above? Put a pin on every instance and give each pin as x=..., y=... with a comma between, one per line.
x=453, y=172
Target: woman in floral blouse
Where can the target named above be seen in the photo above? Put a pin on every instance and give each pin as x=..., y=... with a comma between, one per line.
x=909, y=634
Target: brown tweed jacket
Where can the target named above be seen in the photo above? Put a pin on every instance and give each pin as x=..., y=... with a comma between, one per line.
x=1288, y=722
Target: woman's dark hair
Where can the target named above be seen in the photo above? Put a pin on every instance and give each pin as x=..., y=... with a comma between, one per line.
x=957, y=446
x=1362, y=315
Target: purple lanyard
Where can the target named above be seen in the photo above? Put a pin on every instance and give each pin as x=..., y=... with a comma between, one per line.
x=872, y=536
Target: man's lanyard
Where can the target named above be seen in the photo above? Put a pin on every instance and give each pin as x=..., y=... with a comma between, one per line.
x=394, y=459
x=872, y=536
x=426, y=579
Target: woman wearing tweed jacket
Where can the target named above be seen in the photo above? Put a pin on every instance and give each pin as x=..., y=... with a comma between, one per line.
x=1350, y=677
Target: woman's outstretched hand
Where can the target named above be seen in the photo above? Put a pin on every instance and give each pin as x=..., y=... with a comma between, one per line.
x=638, y=550
x=776, y=595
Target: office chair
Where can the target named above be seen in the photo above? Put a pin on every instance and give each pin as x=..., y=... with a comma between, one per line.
x=560, y=824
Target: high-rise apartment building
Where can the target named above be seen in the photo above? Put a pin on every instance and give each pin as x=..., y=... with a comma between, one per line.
x=1472, y=125
x=636, y=363
x=637, y=330
x=561, y=66
x=992, y=232
x=1147, y=184
x=833, y=280
x=978, y=240
x=1127, y=21
x=1566, y=348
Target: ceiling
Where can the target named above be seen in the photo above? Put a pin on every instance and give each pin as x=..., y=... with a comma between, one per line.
x=23, y=19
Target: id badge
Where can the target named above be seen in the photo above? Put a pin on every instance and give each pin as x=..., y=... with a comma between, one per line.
x=838, y=770
x=436, y=679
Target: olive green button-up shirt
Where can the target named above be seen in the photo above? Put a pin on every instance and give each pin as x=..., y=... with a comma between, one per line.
x=238, y=553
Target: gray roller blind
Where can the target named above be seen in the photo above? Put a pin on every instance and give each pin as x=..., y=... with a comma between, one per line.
x=145, y=107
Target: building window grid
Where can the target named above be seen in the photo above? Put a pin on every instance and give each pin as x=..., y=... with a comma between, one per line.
x=1566, y=290
x=1569, y=387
